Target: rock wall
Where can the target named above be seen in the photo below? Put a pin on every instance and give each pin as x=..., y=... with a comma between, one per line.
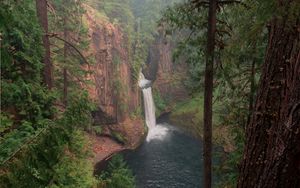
x=170, y=76
x=111, y=82
x=112, y=86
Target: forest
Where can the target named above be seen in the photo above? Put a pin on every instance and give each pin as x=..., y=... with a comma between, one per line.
x=150, y=93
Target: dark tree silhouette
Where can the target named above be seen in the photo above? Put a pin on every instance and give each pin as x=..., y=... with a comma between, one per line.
x=208, y=92
x=41, y=7
x=272, y=153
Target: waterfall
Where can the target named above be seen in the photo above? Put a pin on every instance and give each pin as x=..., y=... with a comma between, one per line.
x=150, y=118
x=149, y=108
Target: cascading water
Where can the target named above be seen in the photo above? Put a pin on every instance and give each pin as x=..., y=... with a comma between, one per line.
x=154, y=132
x=148, y=101
x=149, y=108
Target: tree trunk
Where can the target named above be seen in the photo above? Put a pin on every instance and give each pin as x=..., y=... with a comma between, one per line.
x=65, y=75
x=252, y=88
x=272, y=152
x=41, y=8
x=65, y=71
x=208, y=94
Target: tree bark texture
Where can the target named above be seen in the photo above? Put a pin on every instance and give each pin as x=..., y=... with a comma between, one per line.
x=41, y=7
x=272, y=152
x=252, y=90
x=208, y=94
x=65, y=71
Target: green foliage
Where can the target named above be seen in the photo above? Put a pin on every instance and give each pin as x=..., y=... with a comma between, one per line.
x=97, y=129
x=190, y=114
x=21, y=42
x=228, y=170
x=74, y=169
x=21, y=68
x=25, y=103
x=245, y=48
x=78, y=111
x=187, y=25
x=139, y=56
x=118, y=137
x=30, y=100
x=36, y=149
x=160, y=103
x=58, y=157
x=6, y=123
x=146, y=13
x=120, y=13
x=67, y=21
x=138, y=20
x=137, y=113
x=240, y=44
x=13, y=140
x=117, y=175
x=72, y=172
x=120, y=90
x=120, y=10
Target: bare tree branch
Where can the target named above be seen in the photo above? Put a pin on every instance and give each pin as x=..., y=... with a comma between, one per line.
x=55, y=35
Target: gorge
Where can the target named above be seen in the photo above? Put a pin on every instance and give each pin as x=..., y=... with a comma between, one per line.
x=149, y=93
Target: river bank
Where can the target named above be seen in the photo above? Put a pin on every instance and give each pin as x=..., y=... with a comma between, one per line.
x=188, y=115
x=169, y=158
x=127, y=135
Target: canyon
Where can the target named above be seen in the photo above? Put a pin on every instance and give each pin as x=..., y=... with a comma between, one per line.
x=114, y=89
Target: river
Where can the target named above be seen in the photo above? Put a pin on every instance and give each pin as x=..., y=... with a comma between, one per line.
x=170, y=158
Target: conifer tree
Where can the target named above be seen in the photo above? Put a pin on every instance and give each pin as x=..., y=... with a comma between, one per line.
x=208, y=93
x=271, y=155
x=42, y=13
x=69, y=38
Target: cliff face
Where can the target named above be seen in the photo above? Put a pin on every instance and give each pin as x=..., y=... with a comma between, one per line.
x=112, y=86
x=170, y=76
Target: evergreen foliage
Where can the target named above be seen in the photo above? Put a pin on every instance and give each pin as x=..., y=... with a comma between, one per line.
x=241, y=41
x=160, y=103
x=67, y=23
x=58, y=156
x=25, y=103
x=43, y=138
x=36, y=149
x=147, y=14
x=117, y=175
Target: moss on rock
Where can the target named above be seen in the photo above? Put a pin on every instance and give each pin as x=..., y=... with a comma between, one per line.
x=189, y=116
